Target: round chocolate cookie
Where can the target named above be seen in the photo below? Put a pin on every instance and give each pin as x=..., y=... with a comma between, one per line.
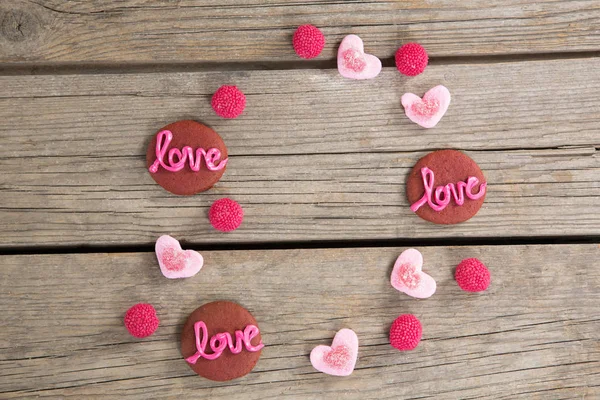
x=220, y=318
x=198, y=162
x=446, y=187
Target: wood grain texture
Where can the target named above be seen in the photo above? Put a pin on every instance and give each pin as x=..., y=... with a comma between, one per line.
x=314, y=156
x=533, y=335
x=192, y=31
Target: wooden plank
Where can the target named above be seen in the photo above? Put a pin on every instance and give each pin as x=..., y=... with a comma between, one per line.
x=314, y=157
x=539, y=104
x=533, y=334
x=87, y=201
x=191, y=31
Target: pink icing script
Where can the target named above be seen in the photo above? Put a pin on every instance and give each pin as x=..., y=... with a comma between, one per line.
x=163, y=140
x=439, y=202
x=224, y=339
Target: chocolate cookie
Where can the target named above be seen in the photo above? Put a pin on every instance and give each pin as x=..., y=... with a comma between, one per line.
x=186, y=157
x=446, y=187
x=221, y=341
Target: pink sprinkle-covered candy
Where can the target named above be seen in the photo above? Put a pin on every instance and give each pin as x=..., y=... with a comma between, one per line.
x=226, y=215
x=338, y=359
x=406, y=332
x=411, y=59
x=308, y=41
x=141, y=320
x=472, y=275
x=228, y=102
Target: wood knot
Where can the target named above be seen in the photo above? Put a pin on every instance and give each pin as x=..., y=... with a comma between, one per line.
x=19, y=25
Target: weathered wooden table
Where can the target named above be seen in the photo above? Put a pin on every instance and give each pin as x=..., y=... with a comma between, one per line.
x=319, y=164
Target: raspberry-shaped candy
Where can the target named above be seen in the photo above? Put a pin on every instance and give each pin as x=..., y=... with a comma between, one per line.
x=226, y=215
x=472, y=276
x=406, y=332
x=228, y=101
x=411, y=59
x=308, y=41
x=141, y=320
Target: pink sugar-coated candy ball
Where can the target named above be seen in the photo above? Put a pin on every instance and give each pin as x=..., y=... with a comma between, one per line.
x=141, y=320
x=472, y=275
x=228, y=102
x=411, y=59
x=308, y=41
x=406, y=332
x=226, y=215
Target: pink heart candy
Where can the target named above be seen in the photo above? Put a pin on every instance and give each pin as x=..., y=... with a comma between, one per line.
x=353, y=62
x=430, y=109
x=408, y=278
x=175, y=262
x=340, y=358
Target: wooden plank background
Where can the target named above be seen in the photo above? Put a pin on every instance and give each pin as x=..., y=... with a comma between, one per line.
x=315, y=157
x=533, y=334
x=316, y=161
x=187, y=31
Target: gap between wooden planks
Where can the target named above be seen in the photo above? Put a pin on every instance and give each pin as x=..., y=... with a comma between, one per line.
x=130, y=31
x=314, y=157
x=533, y=334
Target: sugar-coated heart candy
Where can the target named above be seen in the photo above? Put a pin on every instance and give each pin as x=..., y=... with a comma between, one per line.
x=175, y=262
x=353, y=62
x=408, y=278
x=430, y=109
x=340, y=358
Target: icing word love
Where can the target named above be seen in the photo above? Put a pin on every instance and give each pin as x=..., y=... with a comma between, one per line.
x=163, y=141
x=458, y=191
x=220, y=341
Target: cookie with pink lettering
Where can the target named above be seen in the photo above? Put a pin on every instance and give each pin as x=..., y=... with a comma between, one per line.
x=221, y=341
x=446, y=187
x=353, y=62
x=186, y=157
x=173, y=261
x=408, y=278
x=338, y=359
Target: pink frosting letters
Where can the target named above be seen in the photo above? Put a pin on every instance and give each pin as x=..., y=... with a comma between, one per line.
x=176, y=158
x=220, y=341
x=439, y=198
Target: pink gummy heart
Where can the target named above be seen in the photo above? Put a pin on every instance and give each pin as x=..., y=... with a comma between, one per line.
x=340, y=358
x=430, y=109
x=175, y=262
x=408, y=278
x=352, y=61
